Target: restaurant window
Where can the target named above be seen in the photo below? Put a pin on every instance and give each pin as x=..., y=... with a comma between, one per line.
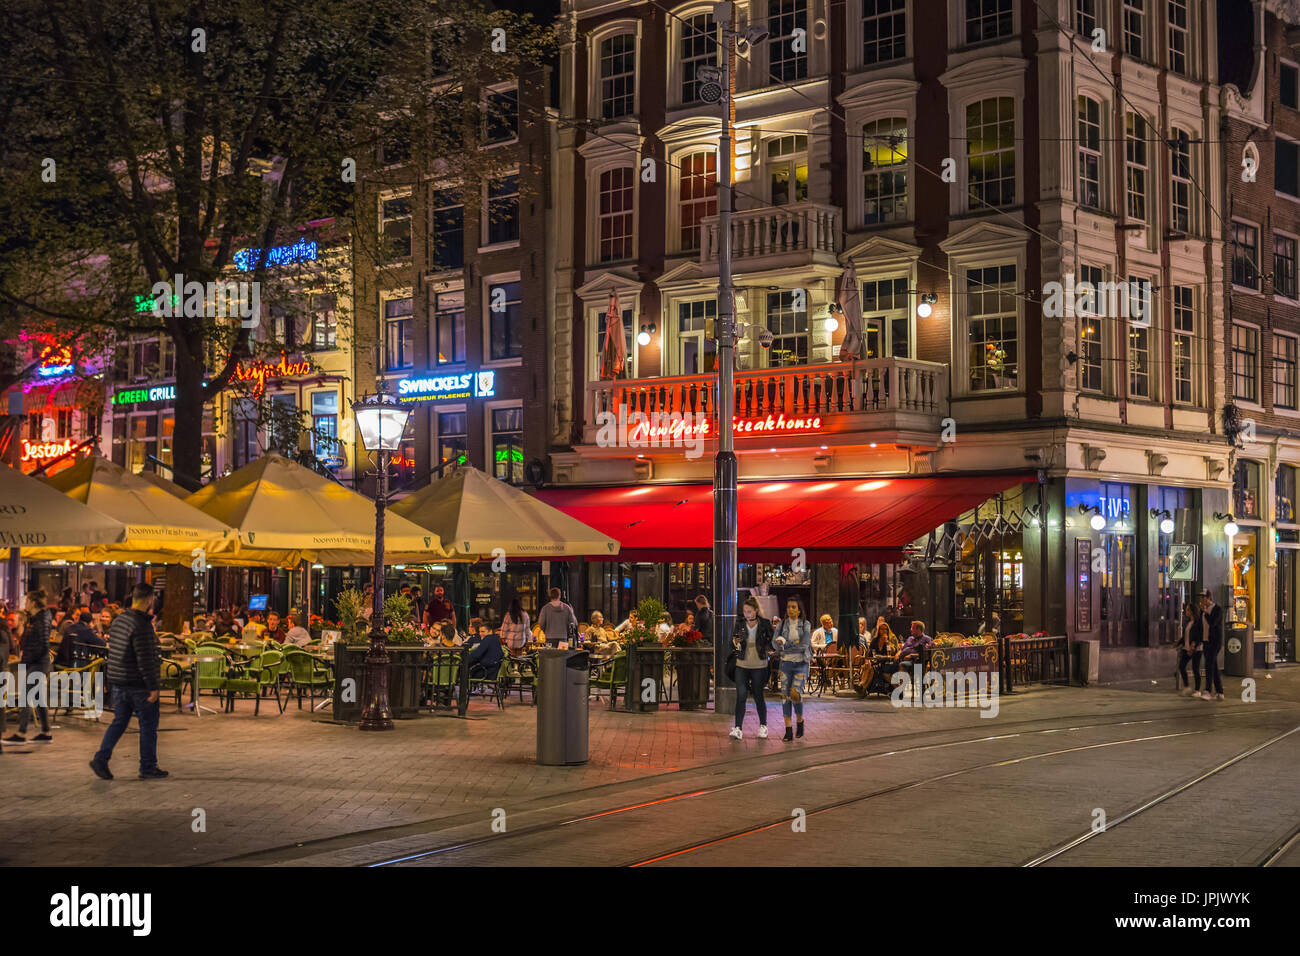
x=1091, y=369
x=508, y=444
x=399, y=335
x=615, y=214
x=784, y=63
x=1135, y=28
x=1089, y=124
x=887, y=318
x=1135, y=165
x=1173, y=589
x=1178, y=36
x=1286, y=166
x=501, y=116
x=324, y=321
x=453, y=437
x=325, y=423
x=787, y=169
x=35, y=425
x=699, y=47
x=987, y=20
x=395, y=228
x=1284, y=370
x=629, y=352
x=1139, y=338
x=991, y=152
x=697, y=196
x=448, y=229
x=449, y=328
x=884, y=171
x=1284, y=265
x=789, y=328
x=142, y=442
x=1285, y=490
x=697, y=346
x=1245, y=489
x=1180, y=193
x=401, y=463
x=993, y=347
x=1245, y=255
x=1245, y=575
x=1185, y=346
x=1245, y=362
x=62, y=423
x=505, y=324
x=244, y=414
x=618, y=76
x=884, y=31
x=503, y=209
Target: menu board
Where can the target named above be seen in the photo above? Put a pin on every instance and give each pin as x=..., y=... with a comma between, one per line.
x=1083, y=591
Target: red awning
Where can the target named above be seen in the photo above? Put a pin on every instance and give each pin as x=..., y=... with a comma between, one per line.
x=842, y=519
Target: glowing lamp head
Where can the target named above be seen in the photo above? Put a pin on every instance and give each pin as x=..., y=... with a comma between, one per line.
x=1166, y=525
x=1231, y=529
x=832, y=324
x=643, y=338
x=923, y=310
x=381, y=419
x=1097, y=522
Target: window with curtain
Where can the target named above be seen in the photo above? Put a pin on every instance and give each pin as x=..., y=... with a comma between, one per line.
x=449, y=328
x=399, y=337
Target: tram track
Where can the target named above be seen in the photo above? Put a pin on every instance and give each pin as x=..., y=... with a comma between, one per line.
x=451, y=850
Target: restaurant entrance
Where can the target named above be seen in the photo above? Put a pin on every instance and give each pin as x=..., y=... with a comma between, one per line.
x=1285, y=623
x=1119, y=626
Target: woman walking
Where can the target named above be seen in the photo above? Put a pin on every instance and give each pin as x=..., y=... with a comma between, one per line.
x=752, y=640
x=1189, y=649
x=36, y=655
x=794, y=641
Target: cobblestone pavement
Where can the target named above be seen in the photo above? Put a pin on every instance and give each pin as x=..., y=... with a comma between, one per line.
x=265, y=785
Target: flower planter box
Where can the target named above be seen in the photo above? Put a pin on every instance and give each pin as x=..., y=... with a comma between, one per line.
x=644, y=662
x=403, y=679
x=694, y=666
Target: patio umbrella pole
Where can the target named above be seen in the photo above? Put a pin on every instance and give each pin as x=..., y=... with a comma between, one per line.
x=377, y=715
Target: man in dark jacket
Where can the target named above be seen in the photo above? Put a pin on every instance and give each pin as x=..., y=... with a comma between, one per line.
x=1212, y=635
x=134, y=670
x=487, y=654
x=79, y=633
x=704, y=617
x=36, y=657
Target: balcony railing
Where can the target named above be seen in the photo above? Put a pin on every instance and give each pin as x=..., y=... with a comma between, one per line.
x=877, y=394
x=774, y=231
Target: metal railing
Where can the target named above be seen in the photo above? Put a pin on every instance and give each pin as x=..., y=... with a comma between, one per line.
x=1034, y=660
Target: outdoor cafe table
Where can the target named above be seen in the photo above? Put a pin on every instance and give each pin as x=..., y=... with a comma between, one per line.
x=191, y=663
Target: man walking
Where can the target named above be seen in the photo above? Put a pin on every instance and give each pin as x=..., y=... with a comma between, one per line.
x=134, y=667
x=1212, y=635
x=554, y=619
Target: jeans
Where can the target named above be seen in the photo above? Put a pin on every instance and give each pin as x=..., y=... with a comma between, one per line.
x=751, y=682
x=1212, y=667
x=42, y=713
x=1195, y=657
x=128, y=701
x=794, y=674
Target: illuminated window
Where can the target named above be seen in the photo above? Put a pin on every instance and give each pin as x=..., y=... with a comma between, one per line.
x=787, y=169
x=449, y=328
x=698, y=196
x=1090, y=331
x=508, y=444
x=1185, y=345
x=884, y=171
x=399, y=338
x=991, y=152
x=324, y=321
x=453, y=437
x=993, y=345
x=789, y=328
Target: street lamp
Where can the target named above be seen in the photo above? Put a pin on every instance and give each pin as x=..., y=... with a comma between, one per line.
x=381, y=419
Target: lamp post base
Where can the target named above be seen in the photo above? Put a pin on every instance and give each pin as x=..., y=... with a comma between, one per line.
x=376, y=715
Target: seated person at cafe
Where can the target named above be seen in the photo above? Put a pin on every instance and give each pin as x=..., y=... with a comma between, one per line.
x=631, y=621
x=826, y=634
x=79, y=633
x=475, y=632
x=914, y=645
x=864, y=637
x=297, y=634
x=883, y=643
x=442, y=637
x=485, y=658
x=597, y=631
x=255, y=629
x=224, y=626
x=274, y=631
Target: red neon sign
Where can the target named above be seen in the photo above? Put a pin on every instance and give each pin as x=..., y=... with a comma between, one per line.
x=260, y=372
x=683, y=428
x=45, y=450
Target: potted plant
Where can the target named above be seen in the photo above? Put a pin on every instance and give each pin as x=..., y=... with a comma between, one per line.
x=645, y=657
x=693, y=662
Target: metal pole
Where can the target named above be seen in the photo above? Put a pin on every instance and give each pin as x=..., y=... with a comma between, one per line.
x=725, y=467
x=377, y=715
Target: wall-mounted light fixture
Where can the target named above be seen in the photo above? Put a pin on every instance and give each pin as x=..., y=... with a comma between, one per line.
x=926, y=304
x=1166, y=519
x=1098, y=521
x=643, y=337
x=1229, y=526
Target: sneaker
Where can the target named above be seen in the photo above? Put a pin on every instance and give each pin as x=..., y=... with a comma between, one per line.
x=736, y=733
x=42, y=739
x=154, y=774
x=15, y=739
x=1185, y=692
x=1204, y=695
x=799, y=729
x=789, y=734
x=762, y=732
x=1218, y=697
x=101, y=770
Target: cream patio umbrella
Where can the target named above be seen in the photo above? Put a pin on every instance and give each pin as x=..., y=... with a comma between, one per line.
x=474, y=514
x=34, y=515
x=285, y=513
x=159, y=526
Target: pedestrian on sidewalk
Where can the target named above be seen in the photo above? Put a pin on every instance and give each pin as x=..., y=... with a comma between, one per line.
x=1212, y=635
x=752, y=640
x=36, y=656
x=1190, y=650
x=794, y=641
x=134, y=671
x=555, y=618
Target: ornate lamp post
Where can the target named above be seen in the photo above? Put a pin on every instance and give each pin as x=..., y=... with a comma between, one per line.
x=381, y=420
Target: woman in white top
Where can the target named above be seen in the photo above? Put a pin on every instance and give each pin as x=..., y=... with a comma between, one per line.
x=752, y=640
x=515, y=628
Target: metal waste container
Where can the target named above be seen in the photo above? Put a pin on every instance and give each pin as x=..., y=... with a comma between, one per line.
x=1239, y=649
x=562, y=678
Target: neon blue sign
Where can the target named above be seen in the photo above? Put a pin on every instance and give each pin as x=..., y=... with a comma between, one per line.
x=300, y=251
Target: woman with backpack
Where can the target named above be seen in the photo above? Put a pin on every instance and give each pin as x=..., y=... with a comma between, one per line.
x=752, y=639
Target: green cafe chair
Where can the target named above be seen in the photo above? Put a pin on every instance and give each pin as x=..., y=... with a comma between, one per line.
x=307, y=673
x=172, y=680
x=441, y=680
x=612, y=675
x=212, y=674
x=254, y=678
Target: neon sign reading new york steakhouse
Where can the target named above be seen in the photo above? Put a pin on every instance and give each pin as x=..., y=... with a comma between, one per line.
x=674, y=428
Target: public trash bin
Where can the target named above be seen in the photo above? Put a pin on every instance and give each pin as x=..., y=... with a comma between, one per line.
x=562, y=707
x=1239, y=649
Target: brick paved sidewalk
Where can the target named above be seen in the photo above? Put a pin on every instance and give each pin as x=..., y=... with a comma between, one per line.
x=276, y=780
